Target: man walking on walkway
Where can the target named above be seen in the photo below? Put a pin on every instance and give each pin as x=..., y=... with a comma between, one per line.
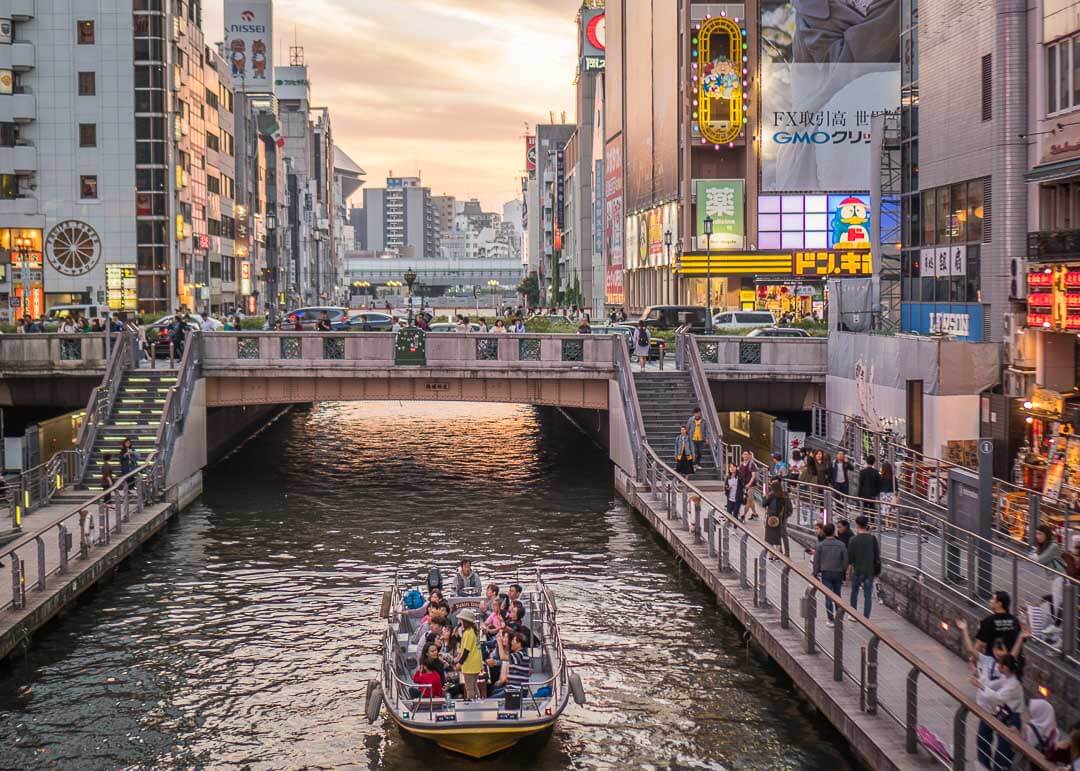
x=869, y=485
x=830, y=559
x=863, y=562
x=748, y=478
x=841, y=472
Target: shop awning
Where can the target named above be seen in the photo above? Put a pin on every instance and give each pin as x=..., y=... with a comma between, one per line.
x=1055, y=172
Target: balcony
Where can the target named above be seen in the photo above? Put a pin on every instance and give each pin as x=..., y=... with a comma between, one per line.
x=17, y=108
x=21, y=159
x=1056, y=246
x=24, y=205
x=17, y=10
x=18, y=56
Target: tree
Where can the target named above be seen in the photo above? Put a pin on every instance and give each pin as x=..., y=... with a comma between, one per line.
x=530, y=288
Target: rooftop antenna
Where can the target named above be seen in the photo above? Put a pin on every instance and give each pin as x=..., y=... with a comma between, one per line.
x=296, y=56
x=563, y=117
x=551, y=116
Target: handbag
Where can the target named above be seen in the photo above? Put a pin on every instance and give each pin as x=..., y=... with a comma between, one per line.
x=772, y=521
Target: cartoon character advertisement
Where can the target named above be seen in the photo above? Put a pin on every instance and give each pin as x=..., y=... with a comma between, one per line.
x=249, y=30
x=850, y=226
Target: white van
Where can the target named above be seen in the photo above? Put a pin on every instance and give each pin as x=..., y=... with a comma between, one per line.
x=731, y=320
x=61, y=312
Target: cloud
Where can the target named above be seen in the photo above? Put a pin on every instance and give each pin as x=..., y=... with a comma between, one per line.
x=445, y=86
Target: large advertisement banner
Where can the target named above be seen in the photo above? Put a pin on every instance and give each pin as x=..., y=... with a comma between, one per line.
x=827, y=67
x=723, y=200
x=665, y=100
x=613, y=220
x=638, y=178
x=249, y=36
x=530, y=155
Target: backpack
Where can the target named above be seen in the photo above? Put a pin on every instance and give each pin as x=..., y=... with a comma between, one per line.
x=643, y=337
x=413, y=599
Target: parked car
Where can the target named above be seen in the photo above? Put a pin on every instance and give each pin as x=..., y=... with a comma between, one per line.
x=309, y=317
x=61, y=312
x=450, y=326
x=617, y=329
x=778, y=332
x=195, y=317
x=676, y=316
x=733, y=320
x=365, y=321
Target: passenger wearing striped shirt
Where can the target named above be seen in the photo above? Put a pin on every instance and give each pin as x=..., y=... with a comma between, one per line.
x=514, y=673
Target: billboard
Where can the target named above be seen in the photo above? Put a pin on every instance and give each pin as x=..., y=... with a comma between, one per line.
x=249, y=35
x=592, y=40
x=724, y=200
x=834, y=221
x=613, y=219
x=665, y=100
x=613, y=79
x=530, y=155
x=638, y=161
x=827, y=67
x=720, y=65
x=292, y=83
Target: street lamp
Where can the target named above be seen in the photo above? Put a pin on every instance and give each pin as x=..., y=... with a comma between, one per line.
x=493, y=284
x=410, y=279
x=708, y=268
x=361, y=287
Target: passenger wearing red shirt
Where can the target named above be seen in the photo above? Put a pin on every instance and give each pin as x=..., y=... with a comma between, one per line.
x=425, y=676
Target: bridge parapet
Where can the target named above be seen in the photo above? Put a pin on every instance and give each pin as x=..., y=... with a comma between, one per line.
x=36, y=353
x=779, y=358
x=226, y=353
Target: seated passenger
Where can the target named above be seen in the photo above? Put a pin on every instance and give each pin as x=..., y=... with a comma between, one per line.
x=432, y=634
x=426, y=676
x=466, y=581
x=516, y=621
x=515, y=673
x=512, y=597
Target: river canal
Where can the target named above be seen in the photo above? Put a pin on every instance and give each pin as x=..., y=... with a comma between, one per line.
x=245, y=635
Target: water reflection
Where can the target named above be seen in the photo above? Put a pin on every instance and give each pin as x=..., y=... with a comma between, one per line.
x=246, y=636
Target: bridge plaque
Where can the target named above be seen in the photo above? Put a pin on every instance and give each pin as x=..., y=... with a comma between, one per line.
x=410, y=348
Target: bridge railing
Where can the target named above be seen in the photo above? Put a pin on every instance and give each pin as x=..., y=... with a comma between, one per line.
x=350, y=350
x=891, y=680
x=688, y=356
x=54, y=352
x=785, y=355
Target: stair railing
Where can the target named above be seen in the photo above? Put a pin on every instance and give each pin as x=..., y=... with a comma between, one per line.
x=689, y=356
x=630, y=404
x=176, y=406
x=102, y=399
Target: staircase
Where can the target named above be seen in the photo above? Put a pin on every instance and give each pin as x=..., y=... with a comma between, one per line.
x=136, y=413
x=666, y=400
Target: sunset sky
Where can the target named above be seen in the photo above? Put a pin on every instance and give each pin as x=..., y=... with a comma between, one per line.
x=443, y=87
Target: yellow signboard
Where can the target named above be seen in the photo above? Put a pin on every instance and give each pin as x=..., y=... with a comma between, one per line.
x=833, y=262
x=720, y=71
x=121, y=287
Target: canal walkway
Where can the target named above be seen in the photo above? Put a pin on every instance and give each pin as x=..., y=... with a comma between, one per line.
x=884, y=685
x=66, y=549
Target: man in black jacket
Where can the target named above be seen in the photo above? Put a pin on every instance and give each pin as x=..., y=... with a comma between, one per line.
x=869, y=485
x=841, y=473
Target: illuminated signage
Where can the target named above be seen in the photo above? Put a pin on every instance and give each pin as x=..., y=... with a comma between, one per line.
x=833, y=262
x=823, y=221
x=824, y=263
x=1053, y=300
x=245, y=277
x=121, y=287
x=595, y=32
x=722, y=201
x=720, y=69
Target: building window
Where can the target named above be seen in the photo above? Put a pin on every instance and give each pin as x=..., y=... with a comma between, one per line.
x=87, y=135
x=212, y=142
x=88, y=187
x=9, y=134
x=87, y=84
x=987, y=87
x=9, y=187
x=213, y=185
x=1063, y=75
x=85, y=33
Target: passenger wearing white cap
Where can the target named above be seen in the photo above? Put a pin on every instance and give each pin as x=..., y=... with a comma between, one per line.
x=470, y=661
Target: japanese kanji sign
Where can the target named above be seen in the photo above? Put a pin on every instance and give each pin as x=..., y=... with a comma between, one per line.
x=833, y=262
x=723, y=201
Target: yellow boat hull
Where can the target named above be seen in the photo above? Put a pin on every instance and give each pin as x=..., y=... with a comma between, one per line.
x=475, y=742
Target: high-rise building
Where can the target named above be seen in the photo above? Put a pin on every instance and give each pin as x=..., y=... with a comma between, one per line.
x=546, y=199
x=401, y=218
x=445, y=208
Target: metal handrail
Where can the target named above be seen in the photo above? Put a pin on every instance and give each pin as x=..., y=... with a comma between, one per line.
x=628, y=391
x=143, y=481
x=176, y=403
x=919, y=667
x=691, y=358
x=102, y=399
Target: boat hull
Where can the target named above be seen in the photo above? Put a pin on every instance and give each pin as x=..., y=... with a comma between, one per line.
x=475, y=741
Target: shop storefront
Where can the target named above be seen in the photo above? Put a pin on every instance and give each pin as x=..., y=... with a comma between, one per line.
x=651, y=244
x=1049, y=459
x=782, y=282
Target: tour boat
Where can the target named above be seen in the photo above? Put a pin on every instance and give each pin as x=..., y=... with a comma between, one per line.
x=481, y=727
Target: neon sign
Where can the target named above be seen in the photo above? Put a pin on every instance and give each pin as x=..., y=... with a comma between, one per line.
x=720, y=69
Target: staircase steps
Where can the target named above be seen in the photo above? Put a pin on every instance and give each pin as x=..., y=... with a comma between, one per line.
x=667, y=400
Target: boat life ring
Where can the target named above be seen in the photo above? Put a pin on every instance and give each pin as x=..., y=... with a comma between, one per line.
x=384, y=609
x=374, y=701
x=577, y=690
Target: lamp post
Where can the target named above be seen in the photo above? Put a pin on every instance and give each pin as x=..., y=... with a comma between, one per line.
x=708, y=268
x=410, y=279
x=361, y=287
x=493, y=285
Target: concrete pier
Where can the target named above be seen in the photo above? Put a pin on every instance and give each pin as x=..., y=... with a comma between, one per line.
x=879, y=713
x=41, y=556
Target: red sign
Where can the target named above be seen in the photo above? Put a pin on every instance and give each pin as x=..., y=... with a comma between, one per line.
x=614, y=226
x=594, y=32
x=1039, y=278
x=530, y=154
x=1072, y=278
x=1036, y=319
x=1040, y=300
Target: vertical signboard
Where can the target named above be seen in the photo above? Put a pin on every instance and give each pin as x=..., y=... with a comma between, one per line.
x=613, y=220
x=592, y=39
x=638, y=162
x=249, y=35
x=722, y=200
x=530, y=156
x=665, y=100
x=826, y=69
